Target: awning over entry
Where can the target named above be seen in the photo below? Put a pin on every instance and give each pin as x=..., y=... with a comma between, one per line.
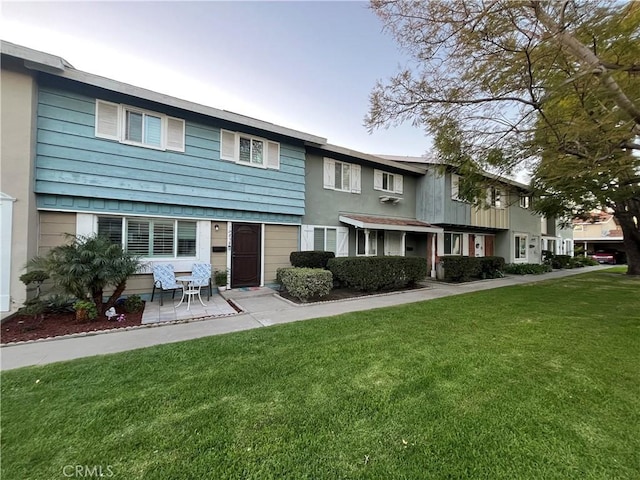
x=389, y=223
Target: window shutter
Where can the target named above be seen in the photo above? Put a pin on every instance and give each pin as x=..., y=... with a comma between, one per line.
x=455, y=186
x=107, y=120
x=306, y=237
x=273, y=155
x=398, y=183
x=175, y=134
x=228, y=148
x=355, y=179
x=343, y=242
x=329, y=173
x=377, y=179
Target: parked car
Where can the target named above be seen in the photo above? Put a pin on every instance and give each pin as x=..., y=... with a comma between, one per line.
x=609, y=256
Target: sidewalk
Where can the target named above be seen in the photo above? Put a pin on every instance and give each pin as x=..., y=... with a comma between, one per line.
x=261, y=307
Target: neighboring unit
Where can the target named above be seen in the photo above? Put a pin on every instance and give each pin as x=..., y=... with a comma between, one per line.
x=601, y=235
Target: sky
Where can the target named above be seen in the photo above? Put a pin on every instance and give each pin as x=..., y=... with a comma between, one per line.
x=309, y=66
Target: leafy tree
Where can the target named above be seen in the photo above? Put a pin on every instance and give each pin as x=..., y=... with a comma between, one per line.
x=87, y=266
x=552, y=88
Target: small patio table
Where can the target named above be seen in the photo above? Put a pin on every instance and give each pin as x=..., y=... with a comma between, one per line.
x=189, y=290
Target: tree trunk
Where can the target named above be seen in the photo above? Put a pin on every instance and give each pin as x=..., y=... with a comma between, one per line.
x=625, y=213
x=115, y=295
x=97, y=299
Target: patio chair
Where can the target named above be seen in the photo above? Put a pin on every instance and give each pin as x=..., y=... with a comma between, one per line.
x=202, y=274
x=164, y=278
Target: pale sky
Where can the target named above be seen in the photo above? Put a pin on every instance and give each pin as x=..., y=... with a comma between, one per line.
x=309, y=66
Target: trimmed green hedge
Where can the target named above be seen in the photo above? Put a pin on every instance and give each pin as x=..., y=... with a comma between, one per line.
x=311, y=259
x=305, y=283
x=463, y=269
x=371, y=274
x=527, y=268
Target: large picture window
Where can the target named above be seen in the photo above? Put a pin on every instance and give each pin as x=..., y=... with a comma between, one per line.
x=151, y=237
x=453, y=244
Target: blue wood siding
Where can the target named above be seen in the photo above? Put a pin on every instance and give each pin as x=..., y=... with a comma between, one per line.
x=71, y=162
x=435, y=204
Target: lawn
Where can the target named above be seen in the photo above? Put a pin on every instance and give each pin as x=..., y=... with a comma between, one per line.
x=539, y=381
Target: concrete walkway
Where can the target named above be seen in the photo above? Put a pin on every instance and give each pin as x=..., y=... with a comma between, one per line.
x=261, y=307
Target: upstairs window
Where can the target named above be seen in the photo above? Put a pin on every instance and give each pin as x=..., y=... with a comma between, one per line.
x=249, y=150
x=455, y=186
x=135, y=126
x=494, y=197
x=341, y=176
x=387, y=182
x=525, y=201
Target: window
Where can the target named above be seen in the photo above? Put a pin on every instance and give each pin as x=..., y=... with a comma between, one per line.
x=525, y=201
x=249, y=150
x=151, y=237
x=455, y=186
x=387, y=182
x=325, y=239
x=453, y=244
x=134, y=126
x=341, y=176
x=367, y=242
x=520, y=247
x=494, y=197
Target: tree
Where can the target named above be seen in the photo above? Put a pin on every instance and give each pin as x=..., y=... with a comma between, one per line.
x=551, y=88
x=88, y=266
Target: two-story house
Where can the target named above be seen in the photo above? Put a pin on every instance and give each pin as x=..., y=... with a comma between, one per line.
x=601, y=232
x=171, y=180
x=362, y=205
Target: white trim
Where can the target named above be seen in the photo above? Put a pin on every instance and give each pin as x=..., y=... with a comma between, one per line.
x=229, y=242
x=378, y=181
x=268, y=146
x=6, y=228
x=262, y=251
x=524, y=236
x=384, y=226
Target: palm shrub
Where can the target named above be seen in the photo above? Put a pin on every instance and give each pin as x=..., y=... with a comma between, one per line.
x=87, y=266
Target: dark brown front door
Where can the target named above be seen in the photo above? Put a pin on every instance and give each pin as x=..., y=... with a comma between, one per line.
x=488, y=245
x=245, y=255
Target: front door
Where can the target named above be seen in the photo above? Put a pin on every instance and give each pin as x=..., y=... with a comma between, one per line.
x=245, y=255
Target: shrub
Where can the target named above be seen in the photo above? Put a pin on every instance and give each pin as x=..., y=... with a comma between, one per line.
x=305, y=283
x=133, y=304
x=378, y=273
x=586, y=261
x=461, y=269
x=560, y=261
x=526, y=268
x=491, y=267
x=220, y=277
x=311, y=259
x=85, y=310
x=87, y=266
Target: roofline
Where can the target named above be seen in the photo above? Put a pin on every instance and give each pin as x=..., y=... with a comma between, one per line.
x=55, y=65
x=330, y=148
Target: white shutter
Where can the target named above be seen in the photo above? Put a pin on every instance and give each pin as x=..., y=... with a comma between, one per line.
x=355, y=178
x=273, y=155
x=107, y=120
x=329, y=173
x=228, y=149
x=377, y=179
x=455, y=186
x=306, y=237
x=397, y=182
x=175, y=134
x=343, y=242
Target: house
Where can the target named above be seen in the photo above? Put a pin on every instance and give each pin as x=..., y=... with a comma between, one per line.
x=173, y=181
x=505, y=227
x=362, y=205
x=178, y=182
x=600, y=232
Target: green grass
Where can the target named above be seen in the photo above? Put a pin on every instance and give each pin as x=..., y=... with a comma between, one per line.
x=539, y=381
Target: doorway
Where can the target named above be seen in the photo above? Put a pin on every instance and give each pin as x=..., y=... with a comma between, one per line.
x=245, y=254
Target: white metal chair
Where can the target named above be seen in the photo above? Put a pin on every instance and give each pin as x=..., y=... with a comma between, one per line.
x=164, y=278
x=202, y=276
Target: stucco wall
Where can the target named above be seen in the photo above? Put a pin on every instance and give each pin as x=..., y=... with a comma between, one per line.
x=17, y=156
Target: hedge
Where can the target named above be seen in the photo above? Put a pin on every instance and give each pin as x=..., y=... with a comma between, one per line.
x=527, y=268
x=371, y=274
x=305, y=283
x=311, y=259
x=461, y=269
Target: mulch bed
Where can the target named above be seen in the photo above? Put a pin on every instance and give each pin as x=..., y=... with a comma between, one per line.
x=344, y=294
x=20, y=328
